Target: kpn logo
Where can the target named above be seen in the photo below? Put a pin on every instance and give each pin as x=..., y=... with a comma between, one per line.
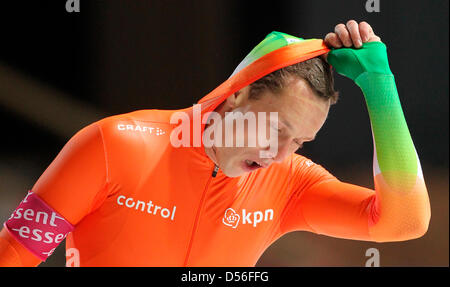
x=232, y=218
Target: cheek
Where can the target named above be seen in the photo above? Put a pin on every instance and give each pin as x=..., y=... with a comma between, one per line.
x=250, y=136
x=320, y=118
x=312, y=124
x=227, y=156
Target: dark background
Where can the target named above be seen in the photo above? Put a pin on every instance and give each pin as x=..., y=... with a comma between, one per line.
x=59, y=71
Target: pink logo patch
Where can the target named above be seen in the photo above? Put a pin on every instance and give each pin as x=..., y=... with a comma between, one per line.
x=37, y=226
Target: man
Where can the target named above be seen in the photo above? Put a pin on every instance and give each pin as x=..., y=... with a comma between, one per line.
x=143, y=189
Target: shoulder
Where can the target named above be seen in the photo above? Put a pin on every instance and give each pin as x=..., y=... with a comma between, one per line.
x=295, y=162
x=303, y=168
x=141, y=120
x=298, y=161
x=138, y=127
x=134, y=142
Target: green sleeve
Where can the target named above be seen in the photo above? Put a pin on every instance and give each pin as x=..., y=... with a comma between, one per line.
x=395, y=155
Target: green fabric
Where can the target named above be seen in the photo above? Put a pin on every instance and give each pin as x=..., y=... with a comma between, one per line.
x=350, y=62
x=368, y=67
x=273, y=41
x=394, y=146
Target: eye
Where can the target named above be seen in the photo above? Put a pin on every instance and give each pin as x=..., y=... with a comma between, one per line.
x=278, y=129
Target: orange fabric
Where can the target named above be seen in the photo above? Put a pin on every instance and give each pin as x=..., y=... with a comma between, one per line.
x=119, y=159
x=12, y=253
x=114, y=160
x=105, y=164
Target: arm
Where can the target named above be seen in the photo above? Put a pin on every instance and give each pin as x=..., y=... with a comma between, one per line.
x=71, y=187
x=399, y=208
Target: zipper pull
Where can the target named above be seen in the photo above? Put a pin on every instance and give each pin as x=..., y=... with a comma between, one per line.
x=216, y=169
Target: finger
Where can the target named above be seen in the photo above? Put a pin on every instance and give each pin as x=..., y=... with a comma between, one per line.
x=353, y=28
x=365, y=31
x=344, y=36
x=374, y=39
x=331, y=39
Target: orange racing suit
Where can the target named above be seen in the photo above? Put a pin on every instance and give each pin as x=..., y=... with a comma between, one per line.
x=135, y=200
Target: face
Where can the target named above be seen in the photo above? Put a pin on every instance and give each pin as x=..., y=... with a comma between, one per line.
x=301, y=114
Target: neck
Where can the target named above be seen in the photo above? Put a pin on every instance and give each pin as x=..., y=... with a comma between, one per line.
x=211, y=153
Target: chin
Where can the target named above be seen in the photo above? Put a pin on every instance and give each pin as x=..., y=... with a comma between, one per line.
x=233, y=173
x=231, y=170
x=237, y=170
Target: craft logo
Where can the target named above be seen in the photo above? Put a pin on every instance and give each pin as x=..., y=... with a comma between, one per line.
x=143, y=129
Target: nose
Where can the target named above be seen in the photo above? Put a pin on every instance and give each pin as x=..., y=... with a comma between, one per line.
x=277, y=152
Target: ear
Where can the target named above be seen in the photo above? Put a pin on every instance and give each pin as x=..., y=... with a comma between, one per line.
x=239, y=97
x=232, y=100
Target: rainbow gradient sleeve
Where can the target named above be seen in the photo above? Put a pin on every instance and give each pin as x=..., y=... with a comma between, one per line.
x=402, y=202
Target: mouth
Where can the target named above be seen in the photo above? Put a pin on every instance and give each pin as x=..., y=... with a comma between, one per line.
x=251, y=165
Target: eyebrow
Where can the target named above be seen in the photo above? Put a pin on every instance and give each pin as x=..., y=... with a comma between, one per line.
x=286, y=123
